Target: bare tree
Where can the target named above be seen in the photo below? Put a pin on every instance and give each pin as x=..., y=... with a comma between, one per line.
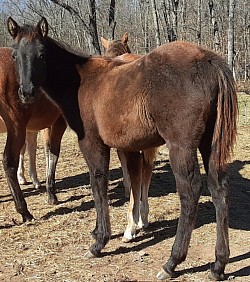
x=112, y=22
x=199, y=21
x=230, y=43
x=156, y=23
x=90, y=28
x=215, y=25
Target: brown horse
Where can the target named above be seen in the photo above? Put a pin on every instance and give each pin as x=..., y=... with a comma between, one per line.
x=18, y=117
x=121, y=50
x=178, y=94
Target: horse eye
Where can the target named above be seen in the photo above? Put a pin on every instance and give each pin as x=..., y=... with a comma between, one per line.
x=14, y=55
x=41, y=56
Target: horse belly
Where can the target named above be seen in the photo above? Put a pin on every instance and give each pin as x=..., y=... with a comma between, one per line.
x=130, y=136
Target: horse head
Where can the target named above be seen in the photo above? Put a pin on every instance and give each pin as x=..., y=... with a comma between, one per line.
x=29, y=56
x=115, y=48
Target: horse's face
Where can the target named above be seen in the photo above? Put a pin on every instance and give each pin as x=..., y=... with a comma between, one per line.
x=116, y=47
x=30, y=58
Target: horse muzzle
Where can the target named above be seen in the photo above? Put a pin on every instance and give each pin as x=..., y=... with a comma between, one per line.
x=27, y=96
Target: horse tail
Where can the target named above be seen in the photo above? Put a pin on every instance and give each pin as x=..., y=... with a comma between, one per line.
x=149, y=155
x=225, y=130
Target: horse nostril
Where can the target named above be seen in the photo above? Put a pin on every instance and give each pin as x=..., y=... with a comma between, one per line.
x=20, y=88
x=27, y=95
x=32, y=90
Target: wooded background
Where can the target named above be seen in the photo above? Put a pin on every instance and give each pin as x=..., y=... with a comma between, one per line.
x=222, y=25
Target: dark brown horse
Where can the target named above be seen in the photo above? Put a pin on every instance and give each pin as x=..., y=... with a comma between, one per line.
x=179, y=94
x=19, y=117
x=120, y=49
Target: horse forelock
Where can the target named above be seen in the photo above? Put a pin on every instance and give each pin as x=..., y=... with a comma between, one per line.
x=27, y=31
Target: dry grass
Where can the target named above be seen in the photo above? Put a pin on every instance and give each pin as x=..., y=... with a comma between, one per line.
x=51, y=248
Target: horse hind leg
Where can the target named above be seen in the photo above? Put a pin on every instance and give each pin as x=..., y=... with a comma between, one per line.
x=147, y=168
x=219, y=189
x=52, y=139
x=126, y=178
x=134, y=164
x=185, y=167
x=217, y=183
x=31, y=144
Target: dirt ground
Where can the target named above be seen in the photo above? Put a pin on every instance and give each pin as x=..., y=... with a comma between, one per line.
x=51, y=248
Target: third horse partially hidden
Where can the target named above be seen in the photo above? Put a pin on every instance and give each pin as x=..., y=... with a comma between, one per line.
x=119, y=49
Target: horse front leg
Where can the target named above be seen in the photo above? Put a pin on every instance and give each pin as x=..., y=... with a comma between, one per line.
x=134, y=166
x=21, y=170
x=189, y=185
x=15, y=141
x=52, y=139
x=97, y=156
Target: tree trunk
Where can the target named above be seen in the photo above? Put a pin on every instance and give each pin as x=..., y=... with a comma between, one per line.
x=199, y=21
x=215, y=26
x=156, y=23
x=93, y=27
x=112, y=22
x=230, y=40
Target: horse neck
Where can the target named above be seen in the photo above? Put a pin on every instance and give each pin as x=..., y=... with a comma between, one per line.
x=61, y=64
x=63, y=82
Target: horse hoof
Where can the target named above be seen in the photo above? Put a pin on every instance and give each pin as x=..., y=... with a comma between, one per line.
x=216, y=277
x=126, y=240
x=89, y=255
x=163, y=275
x=22, y=181
x=37, y=185
x=143, y=226
x=27, y=217
x=52, y=200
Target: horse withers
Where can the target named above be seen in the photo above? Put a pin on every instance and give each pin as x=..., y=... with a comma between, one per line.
x=188, y=104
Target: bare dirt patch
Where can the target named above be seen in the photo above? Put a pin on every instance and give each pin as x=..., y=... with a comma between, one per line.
x=51, y=248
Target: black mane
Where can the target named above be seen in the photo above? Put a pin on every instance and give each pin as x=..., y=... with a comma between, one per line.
x=76, y=56
x=31, y=32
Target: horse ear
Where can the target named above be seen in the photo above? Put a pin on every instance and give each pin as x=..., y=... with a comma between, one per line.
x=13, y=27
x=43, y=27
x=125, y=37
x=105, y=42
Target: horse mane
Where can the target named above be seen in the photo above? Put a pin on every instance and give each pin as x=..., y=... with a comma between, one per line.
x=30, y=32
x=68, y=48
x=76, y=56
